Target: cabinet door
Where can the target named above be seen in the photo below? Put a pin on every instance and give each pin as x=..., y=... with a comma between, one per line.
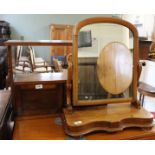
x=61, y=32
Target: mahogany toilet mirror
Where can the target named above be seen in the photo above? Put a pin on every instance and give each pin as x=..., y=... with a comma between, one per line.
x=102, y=79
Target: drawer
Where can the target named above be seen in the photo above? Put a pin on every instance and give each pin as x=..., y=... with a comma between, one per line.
x=38, y=86
x=31, y=101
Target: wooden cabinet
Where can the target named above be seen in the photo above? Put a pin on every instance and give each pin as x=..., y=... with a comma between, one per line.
x=61, y=32
x=38, y=94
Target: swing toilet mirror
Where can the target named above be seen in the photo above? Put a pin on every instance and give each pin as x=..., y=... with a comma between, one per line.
x=104, y=62
x=105, y=68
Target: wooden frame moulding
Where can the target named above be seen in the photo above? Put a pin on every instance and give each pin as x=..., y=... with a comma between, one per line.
x=96, y=20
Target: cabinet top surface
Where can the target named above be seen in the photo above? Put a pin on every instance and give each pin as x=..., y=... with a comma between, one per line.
x=39, y=42
x=60, y=77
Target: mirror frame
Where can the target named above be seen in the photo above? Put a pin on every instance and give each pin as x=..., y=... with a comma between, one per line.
x=98, y=20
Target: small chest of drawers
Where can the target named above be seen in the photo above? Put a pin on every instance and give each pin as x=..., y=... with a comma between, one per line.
x=37, y=94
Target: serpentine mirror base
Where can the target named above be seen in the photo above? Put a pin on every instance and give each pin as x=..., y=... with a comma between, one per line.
x=109, y=118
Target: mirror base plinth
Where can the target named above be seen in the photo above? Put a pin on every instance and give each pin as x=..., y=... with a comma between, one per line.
x=110, y=118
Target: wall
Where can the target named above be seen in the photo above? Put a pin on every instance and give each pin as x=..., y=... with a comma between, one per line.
x=36, y=26
x=147, y=73
x=102, y=34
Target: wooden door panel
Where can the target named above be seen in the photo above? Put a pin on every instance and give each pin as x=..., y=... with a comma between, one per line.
x=61, y=32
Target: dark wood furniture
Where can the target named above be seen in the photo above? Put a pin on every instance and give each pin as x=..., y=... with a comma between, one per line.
x=152, y=51
x=144, y=48
x=38, y=94
x=6, y=115
x=11, y=43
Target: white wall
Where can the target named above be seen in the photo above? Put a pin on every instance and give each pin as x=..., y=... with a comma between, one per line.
x=102, y=34
x=148, y=72
x=36, y=26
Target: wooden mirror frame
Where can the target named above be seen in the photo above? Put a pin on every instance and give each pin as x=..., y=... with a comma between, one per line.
x=76, y=30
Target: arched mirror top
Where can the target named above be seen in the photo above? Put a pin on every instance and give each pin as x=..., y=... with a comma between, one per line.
x=99, y=20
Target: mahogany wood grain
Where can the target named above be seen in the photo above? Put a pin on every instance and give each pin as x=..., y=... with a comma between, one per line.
x=126, y=134
x=95, y=20
x=10, y=71
x=144, y=48
x=107, y=118
x=38, y=128
x=114, y=68
x=11, y=43
x=61, y=32
x=38, y=43
x=24, y=85
x=44, y=128
x=50, y=98
x=38, y=102
x=81, y=119
x=69, y=80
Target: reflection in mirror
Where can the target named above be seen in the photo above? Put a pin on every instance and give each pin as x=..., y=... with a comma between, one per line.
x=26, y=61
x=92, y=70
